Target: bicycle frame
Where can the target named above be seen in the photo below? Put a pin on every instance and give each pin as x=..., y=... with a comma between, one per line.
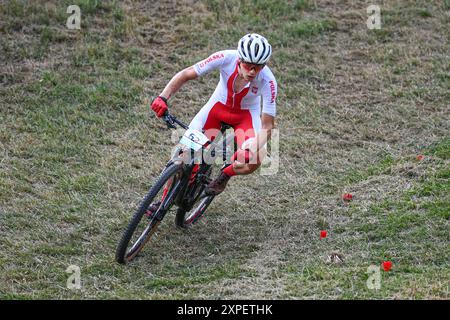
x=179, y=184
x=186, y=197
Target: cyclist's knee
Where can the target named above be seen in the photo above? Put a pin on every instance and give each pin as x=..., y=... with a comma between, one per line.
x=257, y=160
x=242, y=156
x=252, y=167
x=246, y=161
x=248, y=166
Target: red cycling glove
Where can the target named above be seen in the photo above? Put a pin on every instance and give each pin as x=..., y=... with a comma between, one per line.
x=159, y=105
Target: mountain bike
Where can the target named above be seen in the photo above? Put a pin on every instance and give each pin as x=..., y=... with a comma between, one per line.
x=181, y=184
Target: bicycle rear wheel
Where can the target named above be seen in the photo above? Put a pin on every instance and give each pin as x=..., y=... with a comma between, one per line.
x=186, y=219
x=139, y=230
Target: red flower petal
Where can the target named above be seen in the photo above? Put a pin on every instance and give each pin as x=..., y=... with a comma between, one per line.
x=387, y=265
x=347, y=197
x=323, y=234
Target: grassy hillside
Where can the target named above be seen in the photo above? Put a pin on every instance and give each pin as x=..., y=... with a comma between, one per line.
x=79, y=148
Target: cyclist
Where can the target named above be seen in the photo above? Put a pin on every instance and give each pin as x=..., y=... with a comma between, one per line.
x=245, y=80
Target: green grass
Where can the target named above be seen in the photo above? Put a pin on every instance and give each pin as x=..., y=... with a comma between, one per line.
x=308, y=28
x=355, y=107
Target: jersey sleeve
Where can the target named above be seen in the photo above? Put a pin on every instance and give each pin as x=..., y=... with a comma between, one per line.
x=213, y=62
x=269, y=96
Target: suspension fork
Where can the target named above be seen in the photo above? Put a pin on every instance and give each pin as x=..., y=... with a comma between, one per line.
x=224, y=148
x=187, y=171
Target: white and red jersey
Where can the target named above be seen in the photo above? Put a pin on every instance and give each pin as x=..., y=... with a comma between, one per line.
x=263, y=87
x=241, y=110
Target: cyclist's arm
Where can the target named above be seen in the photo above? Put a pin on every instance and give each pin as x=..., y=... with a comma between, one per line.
x=177, y=81
x=269, y=96
x=268, y=123
x=213, y=62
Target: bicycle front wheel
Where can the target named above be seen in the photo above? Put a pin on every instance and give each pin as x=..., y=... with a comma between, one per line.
x=150, y=213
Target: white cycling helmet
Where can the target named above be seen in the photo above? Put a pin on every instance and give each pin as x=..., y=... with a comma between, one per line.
x=254, y=48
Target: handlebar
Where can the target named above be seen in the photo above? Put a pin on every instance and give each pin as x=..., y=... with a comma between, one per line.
x=171, y=120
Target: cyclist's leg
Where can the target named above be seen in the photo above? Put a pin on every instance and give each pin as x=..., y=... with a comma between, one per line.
x=208, y=119
x=246, y=125
x=246, y=159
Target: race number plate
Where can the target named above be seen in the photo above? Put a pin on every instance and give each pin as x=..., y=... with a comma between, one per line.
x=193, y=139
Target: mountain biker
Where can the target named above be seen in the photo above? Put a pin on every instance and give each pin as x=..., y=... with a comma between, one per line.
x=245, y=80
